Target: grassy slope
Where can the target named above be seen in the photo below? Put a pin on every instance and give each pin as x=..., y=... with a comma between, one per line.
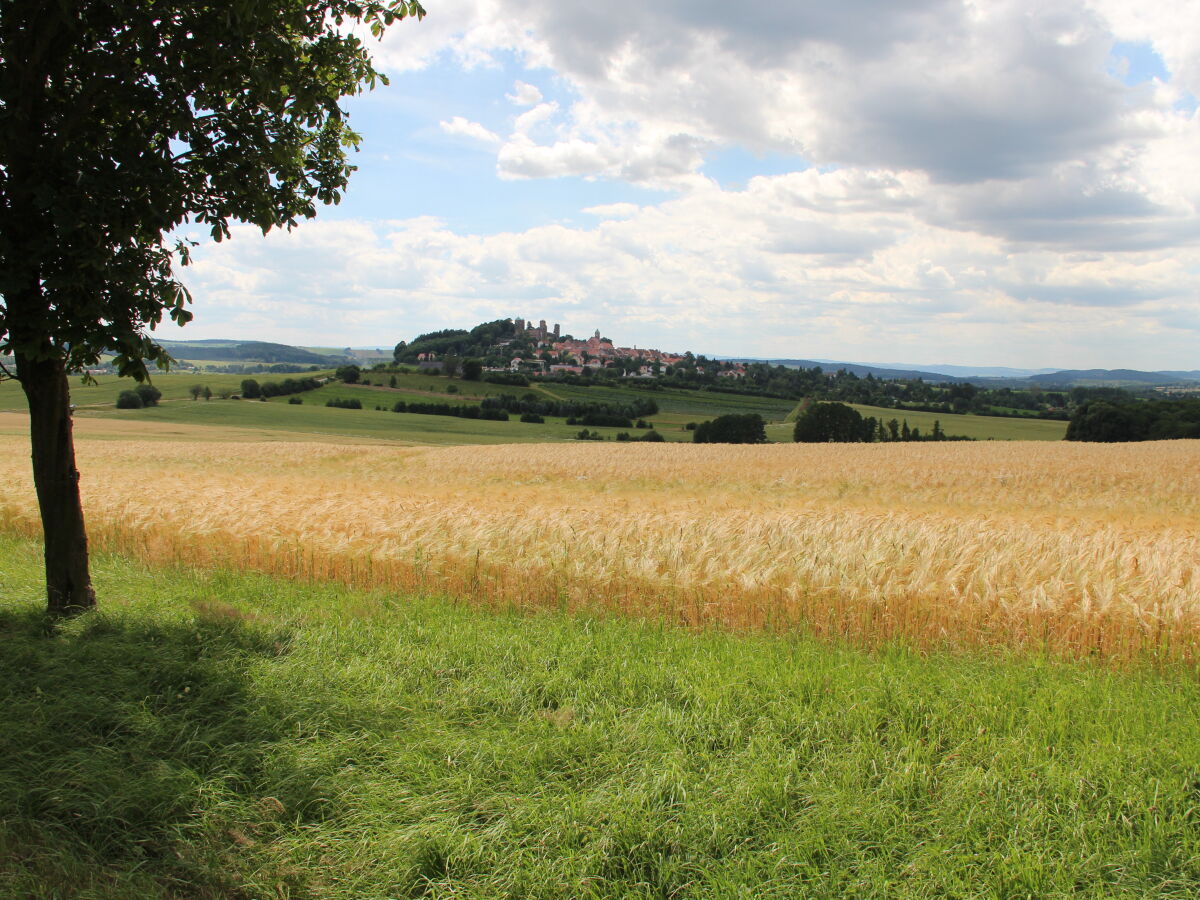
x=676, y=409
x=103, y=394
x=232, y=736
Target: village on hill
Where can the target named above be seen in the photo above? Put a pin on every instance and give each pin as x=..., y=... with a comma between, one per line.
x=521, y=346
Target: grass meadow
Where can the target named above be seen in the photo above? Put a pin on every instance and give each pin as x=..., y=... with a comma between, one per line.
x=677, y=408
x=216, y=734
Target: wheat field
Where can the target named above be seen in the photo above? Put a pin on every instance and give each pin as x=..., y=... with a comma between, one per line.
x=1074, y=549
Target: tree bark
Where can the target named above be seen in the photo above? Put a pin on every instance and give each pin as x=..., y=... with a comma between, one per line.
x=68, y=583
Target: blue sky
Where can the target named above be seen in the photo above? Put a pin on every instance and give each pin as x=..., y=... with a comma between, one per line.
x=920, y=180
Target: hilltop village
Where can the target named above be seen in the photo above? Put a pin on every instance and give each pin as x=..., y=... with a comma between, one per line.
x=520, y=346
x=571, y=355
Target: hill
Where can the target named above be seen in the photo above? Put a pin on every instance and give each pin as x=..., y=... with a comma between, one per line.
x=1111, y=378
x=245, y=351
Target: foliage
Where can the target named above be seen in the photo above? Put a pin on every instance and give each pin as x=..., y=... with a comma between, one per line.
x=578, y=412
x=472, y=369
x=825, y=423
x=1135, y=420
x=149, y=394
x=451, y=409
x=288, y=386
x=344, y=403
x=734, y=428
x=251, y=389
x=123, y=120
x=349, y=374
x=129, y=400
x=476, y=343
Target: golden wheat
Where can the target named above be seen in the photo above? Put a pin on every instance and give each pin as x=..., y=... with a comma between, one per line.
x=1080, y=549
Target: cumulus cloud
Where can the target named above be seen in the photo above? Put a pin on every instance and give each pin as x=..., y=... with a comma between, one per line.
x=468, y=129
x=795, y=265
x=975, y=171
x=524, y=94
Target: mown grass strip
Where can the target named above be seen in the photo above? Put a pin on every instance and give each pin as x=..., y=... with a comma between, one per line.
x=222, y=735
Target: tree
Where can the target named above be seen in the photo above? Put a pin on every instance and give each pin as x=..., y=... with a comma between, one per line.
x=251, y=389
x=207, y=392
x=196, y=390
x=824, y=423
x=123, y=120
x=349, y=374
x=149, y=393
x=472, y=369
x=748, y=428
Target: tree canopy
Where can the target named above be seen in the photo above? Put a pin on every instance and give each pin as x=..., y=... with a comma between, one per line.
x=120, y=121
x=835, y=423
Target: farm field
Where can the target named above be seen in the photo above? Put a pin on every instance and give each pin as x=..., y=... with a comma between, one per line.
x=103, y=394
x=677, y=408
x=1074, y=549
x=219, y=734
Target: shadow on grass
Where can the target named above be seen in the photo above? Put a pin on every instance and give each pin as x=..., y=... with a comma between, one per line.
x=126, y=748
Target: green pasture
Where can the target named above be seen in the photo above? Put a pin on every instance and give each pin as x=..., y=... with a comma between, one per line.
x=174, y=386
x=313, y=418
x=676, y=408
x=216, y=734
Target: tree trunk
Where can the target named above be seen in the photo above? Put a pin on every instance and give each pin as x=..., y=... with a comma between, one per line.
x=68, y=584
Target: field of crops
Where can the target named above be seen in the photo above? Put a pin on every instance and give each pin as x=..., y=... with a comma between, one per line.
x=1085, y=550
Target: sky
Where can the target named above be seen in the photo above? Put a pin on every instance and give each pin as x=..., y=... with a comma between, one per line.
x=990, y=182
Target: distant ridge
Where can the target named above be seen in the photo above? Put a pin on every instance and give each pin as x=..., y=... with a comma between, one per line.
x=1113, y=377
x=993, y=374
x=858, y=369
x=245, y=351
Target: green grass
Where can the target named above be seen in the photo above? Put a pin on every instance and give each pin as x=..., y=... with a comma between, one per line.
x=314, y=418
x=103, y=394
x=676, y=408
x=222, y=735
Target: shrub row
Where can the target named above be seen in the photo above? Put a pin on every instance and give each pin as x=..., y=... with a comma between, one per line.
x=574, y=409
x=451, y=409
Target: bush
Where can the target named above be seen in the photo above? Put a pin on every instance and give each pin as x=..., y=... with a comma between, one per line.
x=472, y=369
x=295, y=401
x=652, y=437
x=338, y=403
x=748, y=428
x=348, y=374
x=251, y=389
x=836, y=423
x=129, y=400
x=149, y=394
x=533, y=418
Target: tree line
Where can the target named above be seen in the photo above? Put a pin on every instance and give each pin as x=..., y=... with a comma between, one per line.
x=638, y=408
x=1114, y=420
x=824, y=423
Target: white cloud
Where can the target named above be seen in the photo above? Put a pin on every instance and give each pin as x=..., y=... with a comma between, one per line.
x=465, y=128
x=973, y=183
x=524, y=94
x=796, y=265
